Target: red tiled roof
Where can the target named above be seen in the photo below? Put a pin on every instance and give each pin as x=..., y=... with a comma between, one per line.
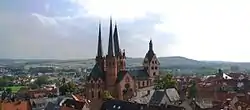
x=18, y=105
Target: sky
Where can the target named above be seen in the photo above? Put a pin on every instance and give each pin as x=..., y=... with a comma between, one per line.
x=67, y=29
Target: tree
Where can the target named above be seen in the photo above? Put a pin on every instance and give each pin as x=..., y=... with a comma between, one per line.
x=192, y=90
x=33, y=86
x=41, y=80
x=69, y=87
x=166, y=82
x=8, y=90
x=107, y=95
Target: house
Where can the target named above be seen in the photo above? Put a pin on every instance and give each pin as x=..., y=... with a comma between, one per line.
x=123, y=105
x=15, y=105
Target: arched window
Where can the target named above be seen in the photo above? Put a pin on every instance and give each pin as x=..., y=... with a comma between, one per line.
x=92, y=94
x=154, y=73
x=127, y=79
x=99, y=94
x=127, y=86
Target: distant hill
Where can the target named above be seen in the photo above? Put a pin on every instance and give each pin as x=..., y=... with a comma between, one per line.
x=166, y=62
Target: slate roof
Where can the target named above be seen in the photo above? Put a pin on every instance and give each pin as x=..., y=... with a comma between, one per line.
x=149, y=55
x=73, y=104
x=120, y=76
x=96, y=73
x=157, y=97
x=139, y=74
x=118, y=105
x=172, y=94
x=123, y=105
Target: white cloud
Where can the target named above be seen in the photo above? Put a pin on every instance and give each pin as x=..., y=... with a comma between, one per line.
x=205, y=30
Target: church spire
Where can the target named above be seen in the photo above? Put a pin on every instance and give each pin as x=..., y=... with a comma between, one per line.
x=150, y=45
x=99, y=47
x=110, y=44
x=116, y=41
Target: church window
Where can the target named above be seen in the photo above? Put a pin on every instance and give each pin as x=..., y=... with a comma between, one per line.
x=99, y=94
x=127, y=86
x=92, y=94
x=127, y=79
x=92, y=85
x=156, y=68
x=154, y=73
x=148, y=83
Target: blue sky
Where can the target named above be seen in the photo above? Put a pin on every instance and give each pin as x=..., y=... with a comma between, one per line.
x=67, y=29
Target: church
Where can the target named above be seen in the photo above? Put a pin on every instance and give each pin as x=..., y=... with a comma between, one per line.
x=110, y=73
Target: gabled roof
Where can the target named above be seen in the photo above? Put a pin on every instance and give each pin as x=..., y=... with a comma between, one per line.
x=157, y=97
x=120, y=76
x=96, y=73
x=139, y=74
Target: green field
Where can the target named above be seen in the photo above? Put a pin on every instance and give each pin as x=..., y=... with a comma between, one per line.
x=14, y=89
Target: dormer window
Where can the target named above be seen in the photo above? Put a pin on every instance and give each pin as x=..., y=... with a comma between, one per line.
x=119, y=107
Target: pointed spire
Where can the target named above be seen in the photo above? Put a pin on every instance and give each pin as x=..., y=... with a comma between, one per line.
x=99, y=47
x=116, y=41
x=150, y=45
x=110, y=44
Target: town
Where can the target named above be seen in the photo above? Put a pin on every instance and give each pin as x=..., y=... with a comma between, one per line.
x=111, y=85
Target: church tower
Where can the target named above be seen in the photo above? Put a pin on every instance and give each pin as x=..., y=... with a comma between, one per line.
x=121, y=58
x=111, y=63
x=151, y=63
x=100, y=61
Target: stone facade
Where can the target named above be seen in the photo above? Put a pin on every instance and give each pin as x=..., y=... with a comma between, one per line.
x=110, y=73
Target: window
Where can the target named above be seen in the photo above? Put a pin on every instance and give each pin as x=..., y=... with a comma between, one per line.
x=127, y=86
x=98, y=85
x=156, y=67
x=92, y=85
x=127, y=79
x=99, y=94
x=92, y=94
x=143, y=83
x=152, y=67
x=148, y=83
x=154, y=73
